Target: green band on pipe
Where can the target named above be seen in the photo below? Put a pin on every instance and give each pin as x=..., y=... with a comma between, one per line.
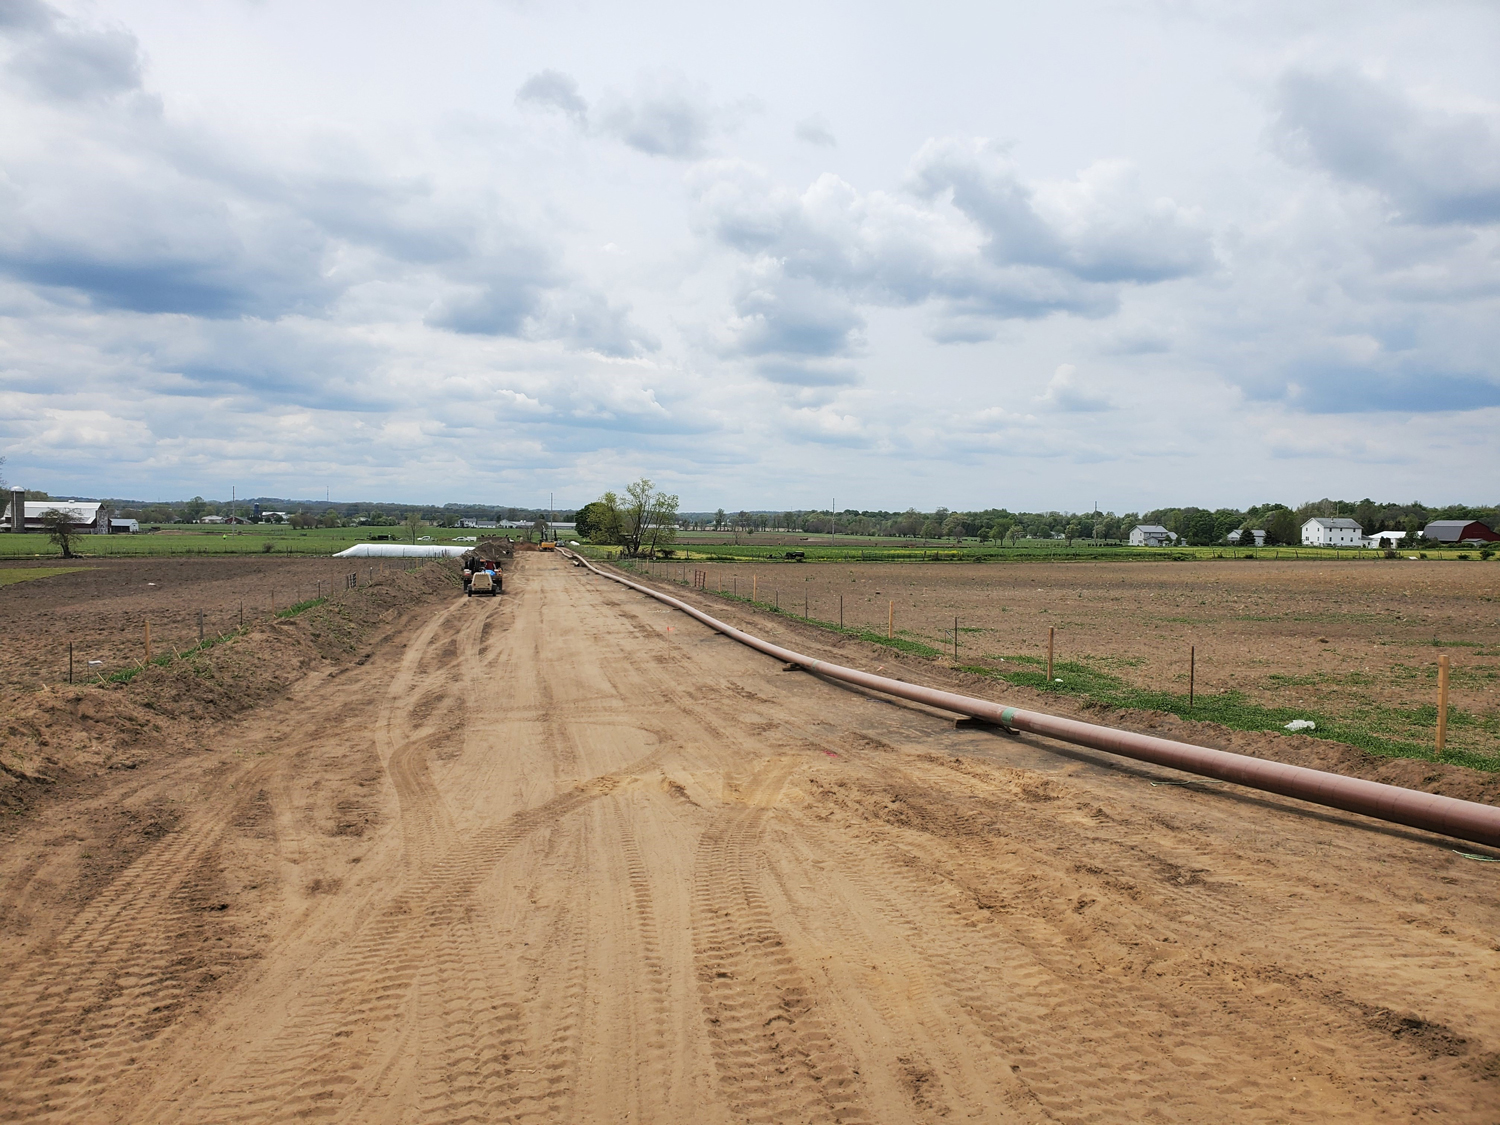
x=1005, y=717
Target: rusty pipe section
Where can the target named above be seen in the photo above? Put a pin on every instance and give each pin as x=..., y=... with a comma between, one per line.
x=1465, y=820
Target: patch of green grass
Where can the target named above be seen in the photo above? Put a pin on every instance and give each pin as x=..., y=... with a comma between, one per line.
x=125, y=675
x=11, y=575
x=300, y=607
x=1387, y=731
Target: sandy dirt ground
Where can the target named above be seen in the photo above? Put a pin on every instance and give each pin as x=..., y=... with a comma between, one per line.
x=568, y=856
x=1332, y=636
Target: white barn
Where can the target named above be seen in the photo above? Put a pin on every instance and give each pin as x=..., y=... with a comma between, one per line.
x=84, y=516
x=1337, y=531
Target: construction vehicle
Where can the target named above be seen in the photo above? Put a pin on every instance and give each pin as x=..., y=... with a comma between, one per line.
x=481, y=570
x=548, y=545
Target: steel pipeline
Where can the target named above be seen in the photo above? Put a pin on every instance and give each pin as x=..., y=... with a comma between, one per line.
x=1465, y=820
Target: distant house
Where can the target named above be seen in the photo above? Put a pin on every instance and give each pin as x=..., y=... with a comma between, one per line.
x=1151, y=535
x=1440, y=531
x=213, y=519
x=1324, y=531
x=1388, y=538
x=1238, y=537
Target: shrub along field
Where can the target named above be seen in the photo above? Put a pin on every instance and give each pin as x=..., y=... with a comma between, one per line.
x=1350, y=647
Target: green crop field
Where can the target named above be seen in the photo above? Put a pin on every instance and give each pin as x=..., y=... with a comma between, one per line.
x=11, y=575
x=254, y=539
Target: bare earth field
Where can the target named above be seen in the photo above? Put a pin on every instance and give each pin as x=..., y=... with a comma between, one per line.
x=103, y=606
x=1339, y=637
x=568, y=856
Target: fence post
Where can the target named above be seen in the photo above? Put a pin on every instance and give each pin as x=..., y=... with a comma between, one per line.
x=1442, y=714
x=890, y=622
x=1192, y=670
x=200, y=626
x=70, y=662
x=148, y=642
x=1051, y=635
x=841, y=611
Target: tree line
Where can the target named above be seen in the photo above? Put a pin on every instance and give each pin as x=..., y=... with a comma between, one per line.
x=1193, y=525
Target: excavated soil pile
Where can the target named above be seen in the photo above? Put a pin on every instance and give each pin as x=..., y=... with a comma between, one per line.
x=61, y=734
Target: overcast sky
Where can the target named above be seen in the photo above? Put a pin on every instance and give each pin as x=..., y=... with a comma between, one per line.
x=1024, y=255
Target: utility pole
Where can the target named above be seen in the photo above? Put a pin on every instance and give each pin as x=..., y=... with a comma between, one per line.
x=833, y=515
x=551, y=517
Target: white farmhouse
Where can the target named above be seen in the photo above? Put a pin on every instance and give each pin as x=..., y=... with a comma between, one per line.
x=1323, y=531
x=1150, y=535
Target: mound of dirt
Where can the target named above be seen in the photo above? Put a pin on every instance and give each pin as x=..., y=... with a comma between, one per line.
x=58, y=735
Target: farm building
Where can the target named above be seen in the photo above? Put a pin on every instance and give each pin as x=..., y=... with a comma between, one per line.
x=1324, y=531
x=1150, y=535
x=124, y=527
x=83, y=516
x=1459, y=531
x=1388, y=538
x=1243, y=538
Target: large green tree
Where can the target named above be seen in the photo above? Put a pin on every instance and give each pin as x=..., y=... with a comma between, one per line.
x=599, y=521
x=1282, y=528
x=648, y=519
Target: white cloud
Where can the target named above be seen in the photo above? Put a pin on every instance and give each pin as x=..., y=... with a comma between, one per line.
x=551, y=89
x=815, y=131
x=1064, y=393
x=665, y=116
x=1434, y=164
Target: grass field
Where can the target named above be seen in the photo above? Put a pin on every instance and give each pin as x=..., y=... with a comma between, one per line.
x=191, y=540
x=11, y=575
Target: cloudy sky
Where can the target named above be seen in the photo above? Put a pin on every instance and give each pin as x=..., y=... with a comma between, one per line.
x=1032, y=255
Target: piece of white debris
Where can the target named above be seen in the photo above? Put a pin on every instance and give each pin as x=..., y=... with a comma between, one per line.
x=94, y=662
x=1302, y=724
x=1058, y=680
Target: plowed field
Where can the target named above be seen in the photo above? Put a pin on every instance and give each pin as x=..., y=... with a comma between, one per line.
x=569, y=856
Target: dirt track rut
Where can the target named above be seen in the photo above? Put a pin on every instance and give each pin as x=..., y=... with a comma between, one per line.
x=568, y=856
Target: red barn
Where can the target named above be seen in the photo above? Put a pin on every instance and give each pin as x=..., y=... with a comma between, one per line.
x=1459, y=531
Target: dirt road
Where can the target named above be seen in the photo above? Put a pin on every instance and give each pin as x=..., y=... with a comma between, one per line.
x=567, y=856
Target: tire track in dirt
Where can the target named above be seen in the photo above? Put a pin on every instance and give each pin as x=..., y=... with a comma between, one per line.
x=476, y=1043
x=404, y=738
x=59, y=1028
x=649, y=1015
x=776, y=1059
x=1070, y=1029
x=316, y=1057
